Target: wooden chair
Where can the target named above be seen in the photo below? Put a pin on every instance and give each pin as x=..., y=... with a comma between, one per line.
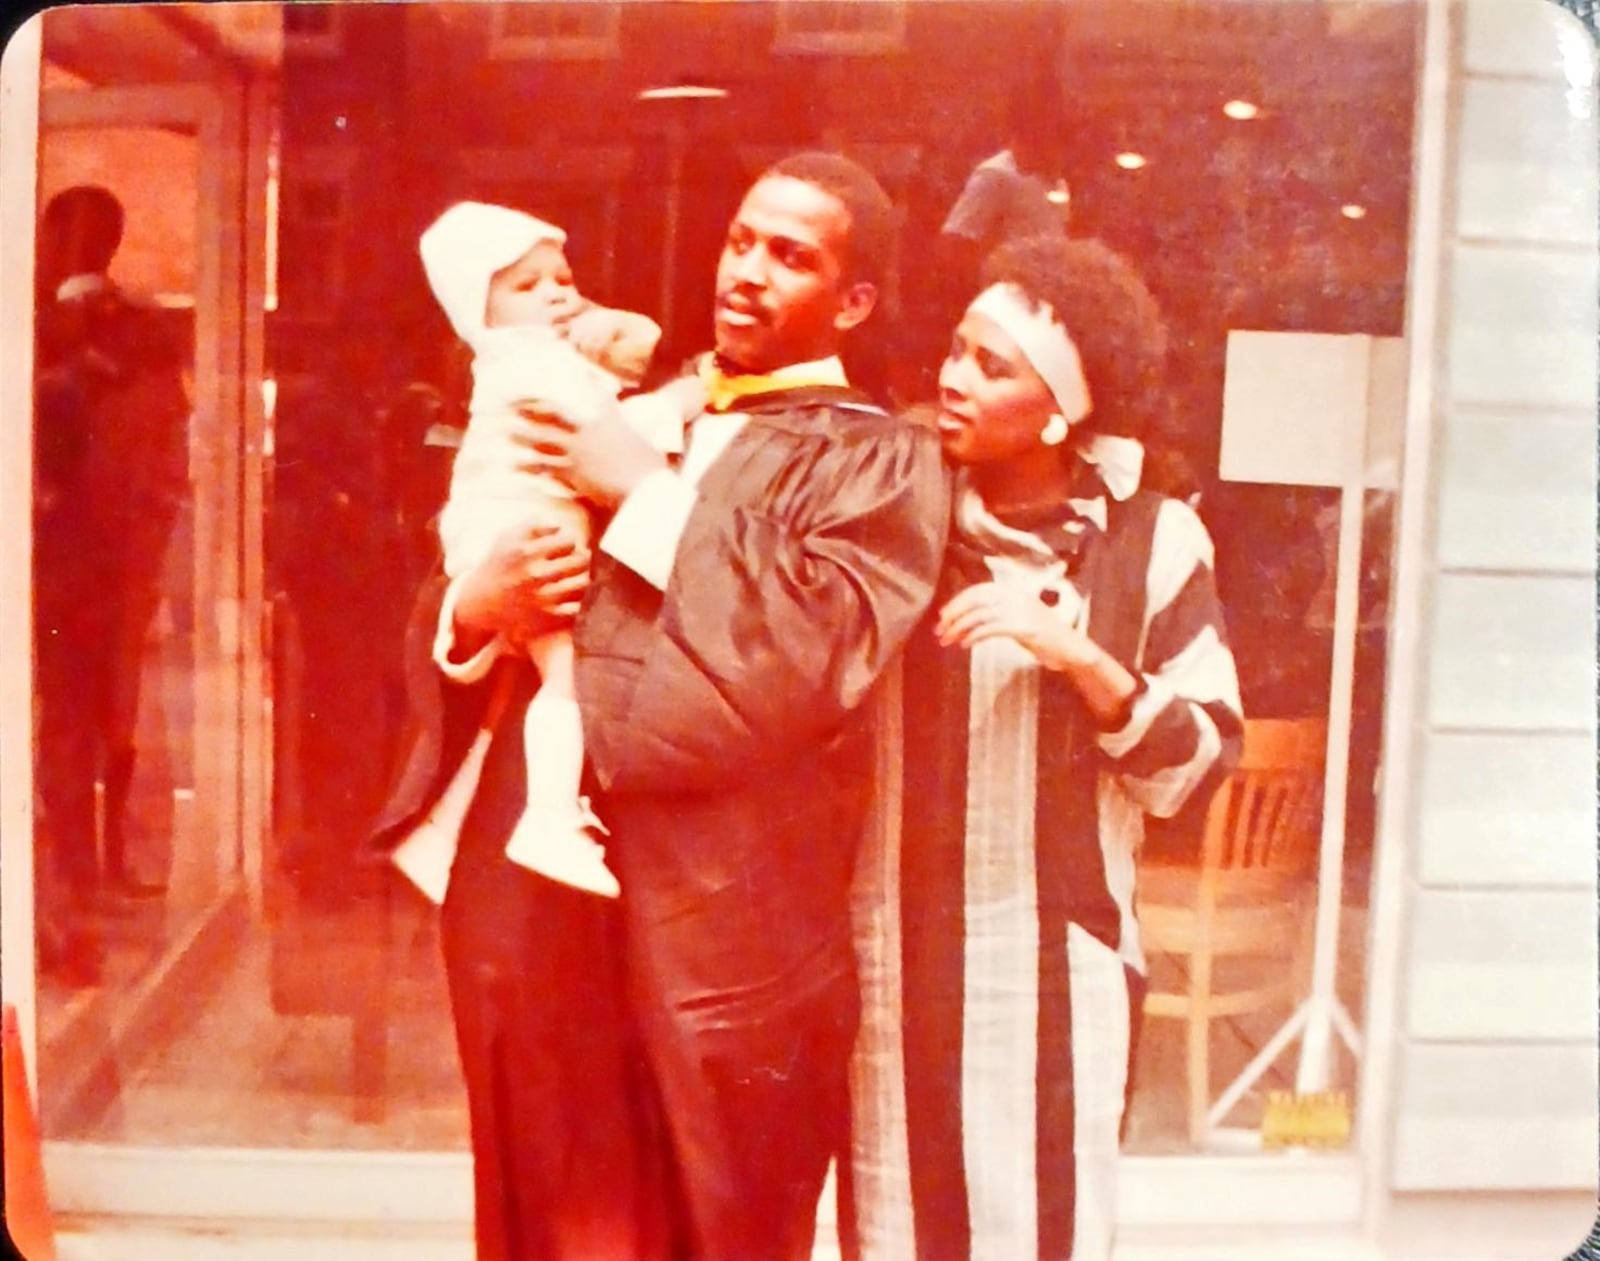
x=1238, y=923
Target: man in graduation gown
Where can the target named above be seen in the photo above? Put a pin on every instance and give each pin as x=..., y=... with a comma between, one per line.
x=743, y=604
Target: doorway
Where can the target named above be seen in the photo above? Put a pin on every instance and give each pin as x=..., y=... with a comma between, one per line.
x=149, y=698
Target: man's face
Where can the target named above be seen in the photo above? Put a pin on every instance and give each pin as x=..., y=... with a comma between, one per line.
x=781, y=293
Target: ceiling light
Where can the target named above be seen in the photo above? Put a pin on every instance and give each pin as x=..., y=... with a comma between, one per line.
x=684, y=92
x=1130, y=161
x=1241, y=110
x=1060, y=195
x=1352, y=211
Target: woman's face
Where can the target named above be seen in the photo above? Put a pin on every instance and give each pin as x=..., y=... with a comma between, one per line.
x=992, y=404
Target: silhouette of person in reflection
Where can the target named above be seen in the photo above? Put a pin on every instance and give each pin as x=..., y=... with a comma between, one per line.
x=1013, y=194
x=111, y=471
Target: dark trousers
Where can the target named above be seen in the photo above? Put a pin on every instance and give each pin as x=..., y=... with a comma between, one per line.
x=76, y=641
x=620, y=1106
x=96, y=591
x=569, y=1161
x=756, y=1114
x=747, y=999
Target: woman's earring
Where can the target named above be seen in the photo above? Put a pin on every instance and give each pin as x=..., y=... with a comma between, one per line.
x=1054, y=432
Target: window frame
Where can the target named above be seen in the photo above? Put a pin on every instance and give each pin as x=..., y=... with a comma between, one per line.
x=505, y=45
x=792, y=35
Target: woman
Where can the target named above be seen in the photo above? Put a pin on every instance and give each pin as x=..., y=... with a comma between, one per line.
x=1073, y=678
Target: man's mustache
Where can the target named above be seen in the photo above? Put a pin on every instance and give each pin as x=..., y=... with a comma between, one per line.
x=742, y=302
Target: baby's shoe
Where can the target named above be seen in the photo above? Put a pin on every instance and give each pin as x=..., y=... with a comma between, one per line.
x=556, y=843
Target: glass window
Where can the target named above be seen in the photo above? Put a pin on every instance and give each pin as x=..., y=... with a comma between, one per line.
x=832, y=26
x=138, y=664
x=310, y=27
x=216, y=973
x=561, y=29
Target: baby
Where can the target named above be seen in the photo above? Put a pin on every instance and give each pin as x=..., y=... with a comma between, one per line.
x=502, y=278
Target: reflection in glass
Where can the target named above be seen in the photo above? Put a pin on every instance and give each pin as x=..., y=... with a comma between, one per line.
x=113, y=569
x=319, y=1018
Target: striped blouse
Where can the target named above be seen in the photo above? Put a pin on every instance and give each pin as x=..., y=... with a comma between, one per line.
x=995, y=898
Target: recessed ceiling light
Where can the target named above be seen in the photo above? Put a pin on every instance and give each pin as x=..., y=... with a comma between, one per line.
x=1241, y=109
x=1130, y=161
x=684, y=92
x=1350, y=210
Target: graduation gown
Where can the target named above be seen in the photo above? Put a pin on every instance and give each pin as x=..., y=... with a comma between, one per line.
x=569, y=1159
x=726, y=724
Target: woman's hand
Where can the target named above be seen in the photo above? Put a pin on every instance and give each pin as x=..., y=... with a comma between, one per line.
x=989, y=609
x=530, y=585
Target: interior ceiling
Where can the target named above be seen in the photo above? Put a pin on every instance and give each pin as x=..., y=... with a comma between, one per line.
x=1335, y=80
x=1110, y=49
x=1106, y=39
x=166, y=43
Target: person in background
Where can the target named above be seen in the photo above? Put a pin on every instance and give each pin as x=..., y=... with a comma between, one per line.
x=1074, y=678
x=1017, y=192
x=111, y=474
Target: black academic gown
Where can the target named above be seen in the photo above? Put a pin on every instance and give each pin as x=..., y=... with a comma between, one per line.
x=570, y=1161
x=724, y=722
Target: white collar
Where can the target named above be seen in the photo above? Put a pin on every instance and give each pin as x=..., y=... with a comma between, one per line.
x=82, y=285
x=1118, y=460
x=1005, y=160
x=974, y=520
x=442, y=435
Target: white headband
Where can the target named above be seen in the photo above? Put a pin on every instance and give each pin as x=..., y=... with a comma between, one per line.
x=1043, y=341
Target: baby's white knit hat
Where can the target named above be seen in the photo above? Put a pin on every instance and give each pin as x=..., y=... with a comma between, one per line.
x=464, y=247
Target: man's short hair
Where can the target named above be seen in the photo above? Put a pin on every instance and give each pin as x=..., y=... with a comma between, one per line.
x=873, y=221
x=90, y=217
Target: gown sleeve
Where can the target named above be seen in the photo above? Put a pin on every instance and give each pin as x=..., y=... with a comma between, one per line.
x=441, y=719
x=782, y=611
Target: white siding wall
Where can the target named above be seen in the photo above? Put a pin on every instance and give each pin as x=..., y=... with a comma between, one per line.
x=1495, y=1083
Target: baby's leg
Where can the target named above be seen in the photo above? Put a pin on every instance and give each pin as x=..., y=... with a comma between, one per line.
x=553, y=657
x=553, y=835
x=553, y=729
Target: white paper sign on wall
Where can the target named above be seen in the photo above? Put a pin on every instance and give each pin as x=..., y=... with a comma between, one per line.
x=1302, y=409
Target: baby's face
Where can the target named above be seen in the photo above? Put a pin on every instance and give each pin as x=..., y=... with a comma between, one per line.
x=536, y=289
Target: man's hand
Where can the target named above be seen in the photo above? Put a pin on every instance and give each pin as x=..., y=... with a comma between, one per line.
x=531, y=584
x=602, y=459
x=687, y=396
